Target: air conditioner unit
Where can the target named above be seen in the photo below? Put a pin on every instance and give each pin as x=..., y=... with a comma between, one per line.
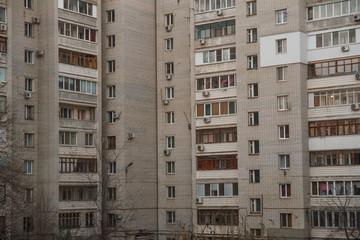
x=169, y=28
x=345, y=48
x=39, y=53
x=356, y=17
x=207, y=120
x=3, y=27
x=219, y=12
x=131, y=135
x=169, y=76
x=27, y=95
x=199, y=200
x=166, y=102
x=357, y=75
x=202, y=41
x=167, y=152
x=118, y=216
x=355, y=106
x=200, y=147
x=206, y=93
x=36, y=20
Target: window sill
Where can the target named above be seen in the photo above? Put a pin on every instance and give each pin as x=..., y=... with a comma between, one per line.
x=254, y=154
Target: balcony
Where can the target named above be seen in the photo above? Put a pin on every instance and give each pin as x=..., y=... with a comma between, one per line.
x=75, y=123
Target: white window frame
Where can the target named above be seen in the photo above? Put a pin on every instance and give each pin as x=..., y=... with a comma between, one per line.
x=29, y=57
x=63, y=136
x=281, y=73
x=169, y=92
x=29, y=84
x=29, y=140
x=169, y=44
x=281, y=46
x=252, y=147
x=29, y=112
x=110, y=15
x=111, y=41
x=29, y=29
x=28, y=194
x=253, y=118
x=255, y=205
x=112, y=167
x=281, y=16
x=170, y=167
x=169, y=19
x=252, y=35
x=253, y=90
x=252, y=175
x=111, y=116
x=28, y=166
x=66, y=113
x=170, y=217
x=285, y=224
x=283, y=103
x=111, y=91
x=284, y=131
x=170, y=117
x=89, y=139
x=252, y=62
x=111, y=193
x=110, y=66
x=169, y=68
x=251, y=8
x=171, y=192
x=285, y=158
x=285, y=186
x=170, y=142
x=28, y=4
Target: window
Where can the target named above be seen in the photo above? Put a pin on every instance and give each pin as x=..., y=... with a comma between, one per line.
x=28, y=224
x=28, y=195
x=207, y=5
x=285, y=190
x=111, y=41
x=254, y=147
x=252, y=62
x=3, y=44
x=77, y=58
x=255, y=205
x=29, y=29
x=29, y=112
x=216, y=29
x=281, y=73
x=29, y=140
x=29, y=57
x=170, y=167
x=110, y=15
x=255, y=232
x=334, y=127
x=28, y=167
x=67, y=138
x=171, y=192
x=169, y=68
x=217, y=135
x=111, y=193
x=253, y=118
x=77, y=85
x=169, y=44
x=254, y=176
x=89, y=139
x=111, y=116
x=111, y=220
x=253, y=90
x=77, y=32
x=217, y=82
x=335, y=158
x=284, y=132
x=335, y=38
x=219, y=55
x=251, y=8
x=169, y=19
x=217, y=189
x=335, y=188
x=111, y=66
x=284, y=161
x=216, y=109
x=80, y=7
x=111, y=91
x=69, y=165
x=334, y=67
x=332, y=9
x=69, y=220
x=169, y=92
x=336, y=219
x=2, y=103
x=29, y=84
x=281, y=46
x=228, y=217
x=111, y=142
x=66, y=113
x=170, y=217
x=2, y=75
x=170, y=142
x=2, y=15
x=170, y=117
x=281, y=16
x=334, y=97
x=285, y=220
x=252, y=35
x=112, y=167
x=220, y=162
x=28, y=4
x=2, y=194
x=89, y=219
x=283, y=104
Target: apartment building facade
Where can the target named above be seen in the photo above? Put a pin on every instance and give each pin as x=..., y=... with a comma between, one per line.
x=198, y=118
